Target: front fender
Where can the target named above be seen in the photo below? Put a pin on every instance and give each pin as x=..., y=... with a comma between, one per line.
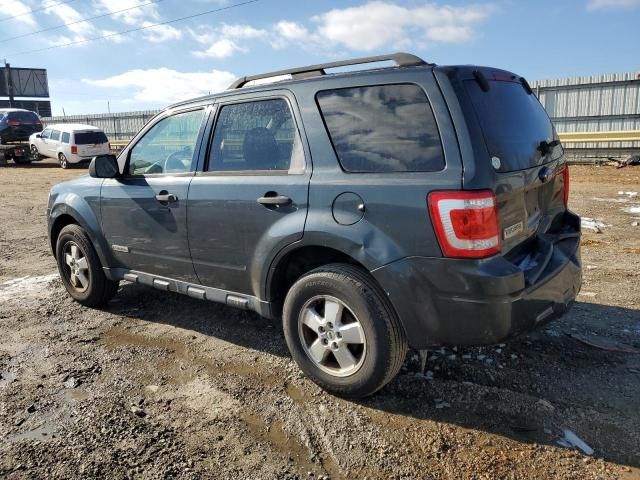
x=85, y=211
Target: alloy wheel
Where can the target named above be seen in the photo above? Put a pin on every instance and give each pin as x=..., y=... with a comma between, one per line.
x=332, y=336
x=78, y=268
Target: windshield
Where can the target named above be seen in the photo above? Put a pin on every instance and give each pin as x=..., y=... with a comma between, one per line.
x=514, y=125
x=85, y=138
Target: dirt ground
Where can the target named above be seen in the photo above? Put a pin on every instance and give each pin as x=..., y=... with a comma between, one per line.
x=164, y=386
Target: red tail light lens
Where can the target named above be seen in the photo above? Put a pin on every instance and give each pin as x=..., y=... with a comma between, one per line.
x=74, y=149
x=466, y=223
x=565, y=178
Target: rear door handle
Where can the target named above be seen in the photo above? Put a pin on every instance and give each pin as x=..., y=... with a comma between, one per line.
x=166, y=197
x=274, y=200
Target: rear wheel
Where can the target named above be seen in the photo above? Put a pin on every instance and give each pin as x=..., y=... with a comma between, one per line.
x=80, y=268
x=21, y=160
x=64, y=163
x=342, y=331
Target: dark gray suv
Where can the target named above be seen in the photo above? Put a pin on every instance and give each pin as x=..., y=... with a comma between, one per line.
x=372, y=210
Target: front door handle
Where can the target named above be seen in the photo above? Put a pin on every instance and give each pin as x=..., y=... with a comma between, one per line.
x=274, y=200
x=166, y=197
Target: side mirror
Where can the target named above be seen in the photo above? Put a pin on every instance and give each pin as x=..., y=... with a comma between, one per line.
x=38, y=135
x=104, y=166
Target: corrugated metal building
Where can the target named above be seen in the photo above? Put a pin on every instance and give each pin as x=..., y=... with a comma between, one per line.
x=597, y=103
x=117, y=126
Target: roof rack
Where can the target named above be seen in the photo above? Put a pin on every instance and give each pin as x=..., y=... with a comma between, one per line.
x=402, y=60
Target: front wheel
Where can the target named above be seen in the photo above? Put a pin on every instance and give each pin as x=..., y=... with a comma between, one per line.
x=80, y=268
x=342, y=332
x=35, y=154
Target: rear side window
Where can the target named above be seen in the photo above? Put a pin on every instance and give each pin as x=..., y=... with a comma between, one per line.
x=256, y=136
x=29, y=118
x=513, y=124
x=88, y=138
x=65, y=137
x=383, y=128
x=55, y=135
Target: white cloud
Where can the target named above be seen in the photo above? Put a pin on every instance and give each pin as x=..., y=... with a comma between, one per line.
x=161, y=33
x=163, y=85
x=239, y=32
x=372, y=26
x=223, y=48
x=379, y=24
x=224, y=41
x=135, y=16
x=603, y=4
x=67, y=14
x=16, y=7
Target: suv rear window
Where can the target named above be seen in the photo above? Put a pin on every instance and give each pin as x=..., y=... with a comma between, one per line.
x=28, y=118
x=513, y=124
x=382, y=128
x=86, y=138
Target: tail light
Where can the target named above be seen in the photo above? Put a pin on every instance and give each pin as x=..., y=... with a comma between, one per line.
x=565, y=178
x=13, y=123
x=109, y=146
x=74, y=149
x=466, y=223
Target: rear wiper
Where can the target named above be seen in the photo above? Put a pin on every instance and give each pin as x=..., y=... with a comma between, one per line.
x=525, y=84
x=545, y=147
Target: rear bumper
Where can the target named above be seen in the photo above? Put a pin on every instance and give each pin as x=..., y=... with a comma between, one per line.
x=76, y=159
x=482, y=302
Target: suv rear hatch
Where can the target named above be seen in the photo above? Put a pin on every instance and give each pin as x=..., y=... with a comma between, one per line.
x=23, y=124
x=91, y=142
x=516, y=154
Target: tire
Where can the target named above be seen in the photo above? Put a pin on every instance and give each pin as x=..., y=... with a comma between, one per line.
x=64, y=163
x=35, y=154
x=379, y=348
x=21, y=160
x=72, y=247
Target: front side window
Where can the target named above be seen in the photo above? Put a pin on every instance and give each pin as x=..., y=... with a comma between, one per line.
x=45, y=133
x=169, y=146
x=260, y=136
x=382, y=128
x=55, y=135
x=65, y=137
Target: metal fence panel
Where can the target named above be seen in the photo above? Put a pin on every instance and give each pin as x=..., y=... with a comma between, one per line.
x=117, y=126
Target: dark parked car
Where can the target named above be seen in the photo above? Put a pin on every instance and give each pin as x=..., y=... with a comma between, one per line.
x=416, y=205
x=17, y=125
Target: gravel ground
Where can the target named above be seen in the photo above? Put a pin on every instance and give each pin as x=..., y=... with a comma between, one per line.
x=164, y=386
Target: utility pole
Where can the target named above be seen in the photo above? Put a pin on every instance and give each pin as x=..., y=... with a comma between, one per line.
x=9, y=82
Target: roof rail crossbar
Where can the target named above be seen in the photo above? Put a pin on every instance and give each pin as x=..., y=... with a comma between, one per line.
x=400, y=58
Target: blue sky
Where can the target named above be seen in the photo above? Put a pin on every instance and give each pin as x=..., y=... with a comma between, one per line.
x=157, y=66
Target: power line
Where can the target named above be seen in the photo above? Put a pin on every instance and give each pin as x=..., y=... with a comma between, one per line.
x=124, y=32
x=4, y=19
x=108, y=14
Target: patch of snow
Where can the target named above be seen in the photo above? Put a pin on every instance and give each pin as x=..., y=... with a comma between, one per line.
x=571, y=440
x=26, y=287
x=593, y=224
